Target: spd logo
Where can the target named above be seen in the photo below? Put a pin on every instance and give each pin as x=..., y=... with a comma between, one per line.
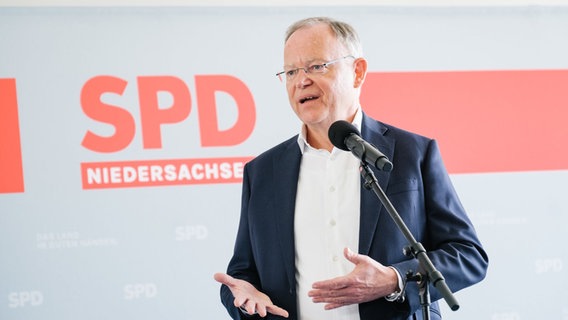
x=152, y=117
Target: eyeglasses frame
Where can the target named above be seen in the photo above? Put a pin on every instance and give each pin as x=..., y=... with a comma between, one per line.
x=310, y=69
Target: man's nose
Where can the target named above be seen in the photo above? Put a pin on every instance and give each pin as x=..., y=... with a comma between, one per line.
x=304, y=78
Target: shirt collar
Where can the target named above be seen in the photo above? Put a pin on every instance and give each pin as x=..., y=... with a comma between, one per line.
x=303, y=143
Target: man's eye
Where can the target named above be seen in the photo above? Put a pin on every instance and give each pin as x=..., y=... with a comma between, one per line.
x=317, y=67
x=291, y=73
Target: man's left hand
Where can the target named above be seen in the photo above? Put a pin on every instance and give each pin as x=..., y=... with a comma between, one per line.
x=368, y=281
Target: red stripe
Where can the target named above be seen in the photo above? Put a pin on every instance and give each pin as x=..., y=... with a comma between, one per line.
x=484, y=121
x=11, y=175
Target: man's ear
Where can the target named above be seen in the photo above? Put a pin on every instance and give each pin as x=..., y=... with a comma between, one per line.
x=360, y=72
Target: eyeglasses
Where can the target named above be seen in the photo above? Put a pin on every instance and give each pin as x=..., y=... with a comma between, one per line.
x=321, y=68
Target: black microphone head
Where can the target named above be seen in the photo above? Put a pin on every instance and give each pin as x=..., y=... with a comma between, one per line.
x=339, y=131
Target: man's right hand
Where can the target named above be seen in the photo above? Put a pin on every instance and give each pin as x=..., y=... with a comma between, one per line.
x=248, y=298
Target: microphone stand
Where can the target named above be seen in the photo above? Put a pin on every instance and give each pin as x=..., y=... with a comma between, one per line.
x=414, y=249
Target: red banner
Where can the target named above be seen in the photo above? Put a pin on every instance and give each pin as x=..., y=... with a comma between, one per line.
x=484, y=121
x=11, y=172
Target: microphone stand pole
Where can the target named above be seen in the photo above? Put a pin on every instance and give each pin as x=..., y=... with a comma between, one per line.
x=414, y=249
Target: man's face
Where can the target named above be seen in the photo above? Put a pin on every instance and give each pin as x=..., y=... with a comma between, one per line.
x=320, y=99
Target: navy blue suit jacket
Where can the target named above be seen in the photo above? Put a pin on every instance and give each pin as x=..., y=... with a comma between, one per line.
x=418, y=187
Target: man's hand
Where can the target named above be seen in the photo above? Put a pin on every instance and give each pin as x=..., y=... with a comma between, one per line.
x=248, y=298
x=368, y=281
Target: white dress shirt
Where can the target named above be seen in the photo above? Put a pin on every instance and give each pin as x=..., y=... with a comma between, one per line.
x=326, y=221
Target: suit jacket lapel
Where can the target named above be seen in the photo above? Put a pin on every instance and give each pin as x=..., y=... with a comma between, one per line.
x=286, y=169
x=373, y=132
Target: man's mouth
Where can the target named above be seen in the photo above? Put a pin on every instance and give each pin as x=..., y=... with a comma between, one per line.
x=302, y=100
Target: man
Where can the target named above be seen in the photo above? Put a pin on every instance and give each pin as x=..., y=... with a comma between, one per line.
x=304, y=205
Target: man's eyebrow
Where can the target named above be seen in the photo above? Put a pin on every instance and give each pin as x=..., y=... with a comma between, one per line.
x=308, y=62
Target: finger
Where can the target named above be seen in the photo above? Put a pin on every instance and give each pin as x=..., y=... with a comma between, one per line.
x=314, y=293
x=240, y=301
x=331, y=302
x=224, y=279
x=322, y=293
x=320, y=299
x=327, y=295
x=261, y=310
x=250, y=307
x=276, y=310
x=331, y=306
x=331, y=284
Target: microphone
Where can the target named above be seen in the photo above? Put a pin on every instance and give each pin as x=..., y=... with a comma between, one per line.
x=346, y=137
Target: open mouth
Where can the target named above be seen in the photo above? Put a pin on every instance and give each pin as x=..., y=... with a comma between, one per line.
x=303, y=100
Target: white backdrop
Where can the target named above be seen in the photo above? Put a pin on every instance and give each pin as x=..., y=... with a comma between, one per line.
x=149, y=251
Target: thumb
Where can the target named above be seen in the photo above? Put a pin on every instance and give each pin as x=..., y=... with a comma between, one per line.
x=223, y=278
x=351, y=256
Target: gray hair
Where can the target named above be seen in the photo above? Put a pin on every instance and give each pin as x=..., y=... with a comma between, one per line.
x=344, y=32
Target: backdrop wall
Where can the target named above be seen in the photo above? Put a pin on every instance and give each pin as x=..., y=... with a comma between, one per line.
x=123, y=132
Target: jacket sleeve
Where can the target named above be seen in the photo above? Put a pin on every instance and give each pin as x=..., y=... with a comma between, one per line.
x=449, y=236
x=242, y=264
